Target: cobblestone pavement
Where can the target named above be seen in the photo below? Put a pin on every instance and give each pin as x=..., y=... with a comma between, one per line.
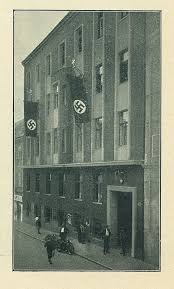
x=93, y=252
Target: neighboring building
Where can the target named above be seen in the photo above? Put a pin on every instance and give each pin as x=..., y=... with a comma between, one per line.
x=106, y=170
x=19, y=139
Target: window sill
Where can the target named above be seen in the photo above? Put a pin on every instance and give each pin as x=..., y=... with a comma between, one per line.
x=37, y=192
x=62, y=197
x=47, y=194
x=79, y=200
x=97, y=203
x=27, y=191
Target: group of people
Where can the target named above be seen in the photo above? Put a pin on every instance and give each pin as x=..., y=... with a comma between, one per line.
x=84, y=236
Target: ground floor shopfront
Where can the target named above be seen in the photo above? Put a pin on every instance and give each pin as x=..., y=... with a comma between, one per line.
x=101, y=195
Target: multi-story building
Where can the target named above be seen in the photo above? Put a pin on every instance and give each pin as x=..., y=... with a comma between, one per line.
x=19, y=139
x=105, y=169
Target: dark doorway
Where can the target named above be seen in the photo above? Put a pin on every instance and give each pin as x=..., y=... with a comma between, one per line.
x=125, y=215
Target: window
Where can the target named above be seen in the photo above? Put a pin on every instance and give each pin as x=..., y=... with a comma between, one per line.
x=19, y=154
x=100, y=24
x=62, y=54
x=48, y=183
x=28, y=147
x=62, y=180
x=48, y=64
x=48, y=103
x=64, y=95
x=28, y=80
x=37, y=145
x=38, y=72
x=97, y=228
x=79, y=40
x=98, y=132
x=63, y=140
x=37, y=183
x=123, y=66
x=78, y=186
x=77, y=219
x=47, y=214
x=55, y=141
x=28, y=181
x=37, y=210
x=79, y=137
x=123, y=14
x=56, y=95
x=98, y=189
x=48, y=142
x=61, y=216
x=123, y=124
x=19, y=178
x=99, y=78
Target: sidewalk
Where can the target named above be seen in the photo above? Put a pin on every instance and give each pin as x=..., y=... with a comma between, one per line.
x=93, y=252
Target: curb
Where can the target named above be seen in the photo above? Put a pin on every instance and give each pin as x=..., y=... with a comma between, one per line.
x=91, y=260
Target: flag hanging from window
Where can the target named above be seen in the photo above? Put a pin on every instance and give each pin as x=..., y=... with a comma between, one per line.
x=79, y=98
x=30, y=118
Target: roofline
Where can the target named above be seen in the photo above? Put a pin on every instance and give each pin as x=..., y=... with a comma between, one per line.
x=90, y=164
x=58, y=26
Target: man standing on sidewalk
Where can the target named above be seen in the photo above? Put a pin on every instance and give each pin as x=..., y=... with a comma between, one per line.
x=106, y=237
x=38, y=224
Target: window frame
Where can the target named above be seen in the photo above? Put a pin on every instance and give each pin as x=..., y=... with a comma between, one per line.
x=48, y=65
x=61, y=185
x=123, y=72
x=62, y=56
x=48, y=103
x=55, y=140
x=64, y=140
x=64, y=94
x=28, y=182
x=28, y=147
x=122, y=125
x=38, y=72
x=48, y=144
x=78, y=37
x=46, y=218
x=56, y=95
x=37, y=183
x=98, y=132
x=99, y=78
x=100, y=24
x=78, y=181
x=79, y=137
x=98, y=194
x=37, y=145
x=48, y=184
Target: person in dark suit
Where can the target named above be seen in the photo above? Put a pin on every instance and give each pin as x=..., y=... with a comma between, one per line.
x=106, y=237
x=63, y=235
x=50, y=246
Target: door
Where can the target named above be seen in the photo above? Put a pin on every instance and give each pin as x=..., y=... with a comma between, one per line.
x=125, y=216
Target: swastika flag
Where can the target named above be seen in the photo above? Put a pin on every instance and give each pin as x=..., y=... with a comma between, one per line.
x=30, y=118
x=79, y=98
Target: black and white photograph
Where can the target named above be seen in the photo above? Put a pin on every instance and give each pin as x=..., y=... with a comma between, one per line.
x=86, y=141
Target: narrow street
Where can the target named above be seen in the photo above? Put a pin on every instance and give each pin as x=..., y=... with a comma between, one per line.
x=30, y=254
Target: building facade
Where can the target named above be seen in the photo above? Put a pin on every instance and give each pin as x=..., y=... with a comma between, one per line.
x=106, y=169
x=18, y=175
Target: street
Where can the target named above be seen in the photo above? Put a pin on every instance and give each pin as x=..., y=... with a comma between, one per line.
x=30, y=254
